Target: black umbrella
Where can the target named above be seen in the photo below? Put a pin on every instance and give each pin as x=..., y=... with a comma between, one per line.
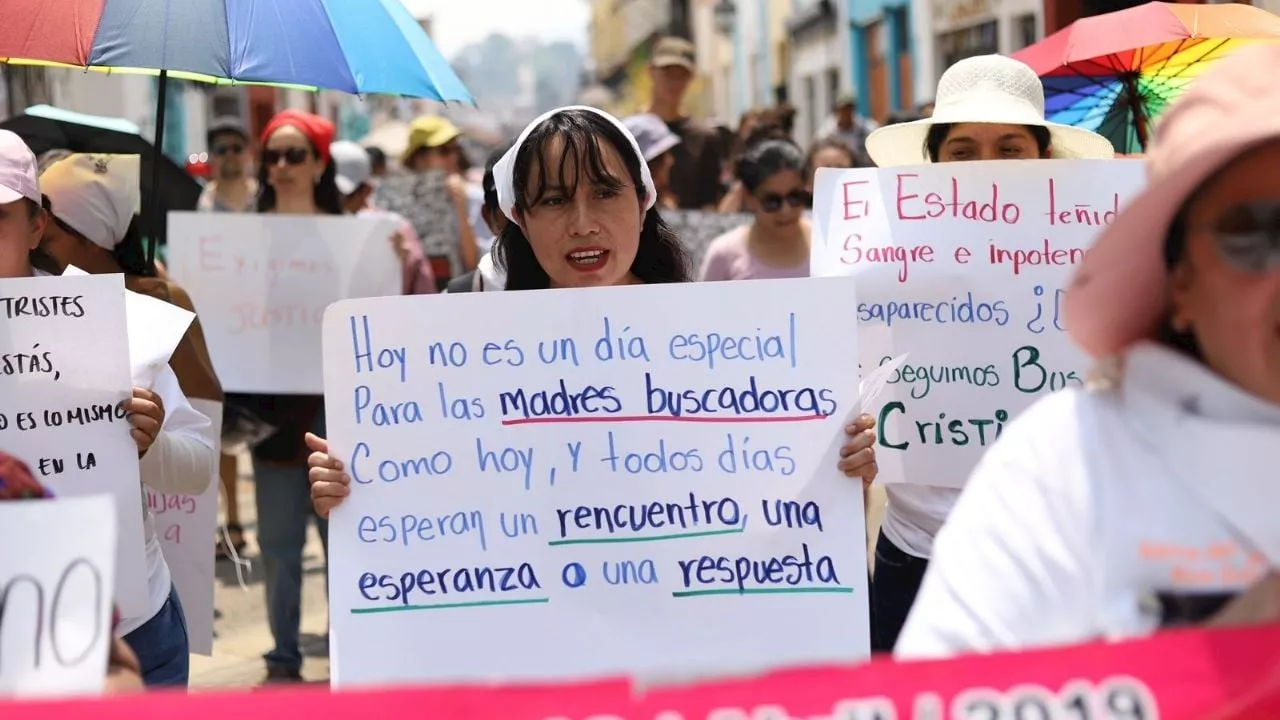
x=44, y=129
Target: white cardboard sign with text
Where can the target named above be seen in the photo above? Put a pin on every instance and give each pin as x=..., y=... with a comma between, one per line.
x=56, y=578
x=567, y=483
x=64, y=357
x=261, y=284
x=963, y=266
x=185, y=523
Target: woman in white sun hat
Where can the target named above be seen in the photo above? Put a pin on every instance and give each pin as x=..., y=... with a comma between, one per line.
x=989, y=107
x=1148, y=498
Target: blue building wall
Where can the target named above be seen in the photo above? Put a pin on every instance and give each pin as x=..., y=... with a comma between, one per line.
x=896, y=15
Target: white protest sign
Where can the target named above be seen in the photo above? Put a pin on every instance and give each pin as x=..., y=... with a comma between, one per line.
x=261, y=284
x=568, y=483
x=184, y=524
x=55, y=595
x=64, y=374
x=963, y=265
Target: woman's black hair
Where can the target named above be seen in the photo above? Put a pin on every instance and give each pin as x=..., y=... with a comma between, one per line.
x=938, y=135
x=38, y=258
x=660, y=258
x=328, y=197
x=130, y=253
x=1175, y=247
x=765, y=159
x=832, y=143
x=490, y=185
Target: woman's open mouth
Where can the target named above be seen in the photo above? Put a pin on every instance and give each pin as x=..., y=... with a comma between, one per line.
x=587, y=259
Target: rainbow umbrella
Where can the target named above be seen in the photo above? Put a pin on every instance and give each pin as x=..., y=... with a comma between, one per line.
x=356, y=46
x=1115, y=73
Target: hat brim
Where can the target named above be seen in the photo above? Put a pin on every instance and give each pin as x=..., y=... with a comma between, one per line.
x=674, y=61
x=8, y=195
x=1119, y=293
x=662, y=146
x=903, y=143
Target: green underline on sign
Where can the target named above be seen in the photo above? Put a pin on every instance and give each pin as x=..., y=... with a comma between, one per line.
x=762, y=591
x=448, y=606
x=649, y=538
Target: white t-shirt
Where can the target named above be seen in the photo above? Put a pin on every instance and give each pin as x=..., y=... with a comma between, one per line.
x=915, y=514
x=183, y=459
x=1093, y=502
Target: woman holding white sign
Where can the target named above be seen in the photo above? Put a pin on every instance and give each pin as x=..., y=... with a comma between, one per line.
x=298, y=177
x=988, y=107
x=581, y=202
x=1146, y=499
x=92, y=201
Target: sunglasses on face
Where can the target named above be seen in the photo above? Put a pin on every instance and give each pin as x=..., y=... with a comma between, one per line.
x=232, y=149
x=1248, y=237
x=772, y=202
x=291, y=156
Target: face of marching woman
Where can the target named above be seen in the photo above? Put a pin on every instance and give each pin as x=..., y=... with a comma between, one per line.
x=22, y=224
x=987, y=141
x=1225, y=288
x=292, y=165
x=582, y=211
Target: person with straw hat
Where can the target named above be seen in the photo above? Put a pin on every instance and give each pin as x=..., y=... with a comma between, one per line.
x=988, y=107
x=1147, y=498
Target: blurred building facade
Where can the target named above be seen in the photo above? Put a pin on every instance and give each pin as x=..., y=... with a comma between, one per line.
x=821, y=69
x=964, y=28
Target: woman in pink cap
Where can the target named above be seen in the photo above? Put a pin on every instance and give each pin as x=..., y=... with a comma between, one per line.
x=1147, y=499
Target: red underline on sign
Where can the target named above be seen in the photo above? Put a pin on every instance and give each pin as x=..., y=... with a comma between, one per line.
x=662, y=418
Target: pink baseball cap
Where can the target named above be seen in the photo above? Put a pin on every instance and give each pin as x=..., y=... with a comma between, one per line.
x=1119, y=294
x=19, y=172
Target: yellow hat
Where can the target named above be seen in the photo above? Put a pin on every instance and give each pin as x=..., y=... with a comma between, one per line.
x=429, y=131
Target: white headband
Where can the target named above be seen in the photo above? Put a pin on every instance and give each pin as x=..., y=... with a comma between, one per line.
x=97, y=195
x=504, y=170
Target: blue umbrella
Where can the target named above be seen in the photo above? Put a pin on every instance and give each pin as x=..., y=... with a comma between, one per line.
x=356, y=46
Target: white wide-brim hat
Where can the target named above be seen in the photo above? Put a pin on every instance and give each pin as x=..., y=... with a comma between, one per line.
x=985, y=89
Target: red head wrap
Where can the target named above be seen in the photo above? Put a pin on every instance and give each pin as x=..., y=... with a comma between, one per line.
x=318, y=130
x=17, y=482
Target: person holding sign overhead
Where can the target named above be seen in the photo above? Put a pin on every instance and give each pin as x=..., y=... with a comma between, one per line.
x=1147, y=498
x=988, y=107
x=581, y=204
x=92, y=201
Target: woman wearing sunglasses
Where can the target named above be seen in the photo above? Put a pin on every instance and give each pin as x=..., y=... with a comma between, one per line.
x=776, y=243
x=297, y=177
x=1147, y=499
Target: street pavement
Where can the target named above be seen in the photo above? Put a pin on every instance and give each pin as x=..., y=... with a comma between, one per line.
x=240, y=628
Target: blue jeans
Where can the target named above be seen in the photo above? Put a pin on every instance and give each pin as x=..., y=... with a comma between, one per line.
x=283, y=498
x=162, y=646
x=897, y=579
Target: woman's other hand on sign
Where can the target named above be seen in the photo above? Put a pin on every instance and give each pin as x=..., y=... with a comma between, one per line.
x=124, y=673
x=1259, y=605
x=400, y=244
x=145, y=411
x=329, y=484
x=858, y=456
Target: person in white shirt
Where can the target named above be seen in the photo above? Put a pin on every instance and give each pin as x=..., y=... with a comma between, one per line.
x=989, y=107
x=1146, y=499
x=93, y=199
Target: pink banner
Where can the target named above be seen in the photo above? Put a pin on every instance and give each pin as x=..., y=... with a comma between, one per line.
x=1190, y=675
